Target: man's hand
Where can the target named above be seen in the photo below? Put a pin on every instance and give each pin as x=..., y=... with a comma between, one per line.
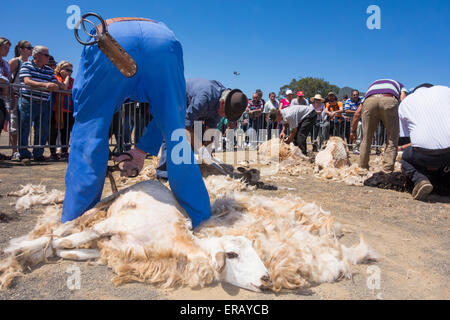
x=352, y=137
x=282, y=135
x=135, y=165
x=51, y=86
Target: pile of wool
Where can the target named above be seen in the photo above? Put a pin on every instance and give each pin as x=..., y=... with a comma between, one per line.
x=289, y=158
x=31, y=195
x=333, y=163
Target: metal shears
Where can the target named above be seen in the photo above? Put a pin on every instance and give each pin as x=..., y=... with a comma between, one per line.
x=107, y=44
x=116, y=167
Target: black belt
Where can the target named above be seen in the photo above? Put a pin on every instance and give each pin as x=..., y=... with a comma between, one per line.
x=432, y=152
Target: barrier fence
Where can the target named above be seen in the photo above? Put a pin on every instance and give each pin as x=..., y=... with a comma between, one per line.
x=35, y=118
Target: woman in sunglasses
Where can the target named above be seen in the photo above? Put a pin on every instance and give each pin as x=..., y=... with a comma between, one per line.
x=22, y=52
x=62, y=111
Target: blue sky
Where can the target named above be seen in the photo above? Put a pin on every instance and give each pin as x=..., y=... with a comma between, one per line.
x=268, y=42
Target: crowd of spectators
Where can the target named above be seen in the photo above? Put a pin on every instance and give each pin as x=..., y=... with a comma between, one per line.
x=333, y=117
x=35, y=98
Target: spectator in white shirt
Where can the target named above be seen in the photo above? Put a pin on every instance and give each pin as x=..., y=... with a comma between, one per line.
x=425, y=118
x=272, y=104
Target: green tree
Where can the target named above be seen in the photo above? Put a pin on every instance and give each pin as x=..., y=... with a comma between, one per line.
x=310, y=87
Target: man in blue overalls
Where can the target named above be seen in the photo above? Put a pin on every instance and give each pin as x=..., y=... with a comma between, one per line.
x=98, y=92
x=207, y=101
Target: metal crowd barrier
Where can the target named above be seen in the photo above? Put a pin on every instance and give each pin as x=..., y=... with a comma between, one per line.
x=337, y=127
x=52, y=122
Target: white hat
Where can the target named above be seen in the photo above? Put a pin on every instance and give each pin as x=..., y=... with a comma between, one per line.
x=317, y=97
x=288, y=91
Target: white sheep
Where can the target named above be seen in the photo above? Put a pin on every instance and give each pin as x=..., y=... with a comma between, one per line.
x=142, y=233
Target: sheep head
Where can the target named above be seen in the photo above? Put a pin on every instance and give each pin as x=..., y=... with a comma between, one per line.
x=237, y=263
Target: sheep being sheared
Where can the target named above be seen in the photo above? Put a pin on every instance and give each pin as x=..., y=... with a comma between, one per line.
x=251, y=241
x=144, y=236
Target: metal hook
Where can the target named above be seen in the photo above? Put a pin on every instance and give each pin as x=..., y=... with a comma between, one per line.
x=97, y=35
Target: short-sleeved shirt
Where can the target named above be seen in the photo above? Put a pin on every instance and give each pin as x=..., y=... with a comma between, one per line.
x=4, y=70
x=284, y=103
x=269, y=105
x=44, y=74
x=352, y=106
x=255, y=106
x=386, y=86
x=203, y=98
x=334, y=106
x=296, y=113
x=425, y=118
x=295, y=102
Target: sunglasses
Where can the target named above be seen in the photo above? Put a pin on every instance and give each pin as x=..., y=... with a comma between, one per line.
x=45, y=54
x=29, y=48
x=68, y=70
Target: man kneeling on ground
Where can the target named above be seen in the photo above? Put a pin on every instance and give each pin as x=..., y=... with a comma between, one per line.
x=425, y=117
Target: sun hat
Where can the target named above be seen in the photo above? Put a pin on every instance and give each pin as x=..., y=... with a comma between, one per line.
x=317, y=97
x=288, y=91
x=300, y=94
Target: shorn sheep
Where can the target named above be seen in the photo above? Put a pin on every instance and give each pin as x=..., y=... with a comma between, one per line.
x=251, y=241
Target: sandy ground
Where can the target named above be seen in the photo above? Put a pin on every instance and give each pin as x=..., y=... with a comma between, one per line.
x=412, y=238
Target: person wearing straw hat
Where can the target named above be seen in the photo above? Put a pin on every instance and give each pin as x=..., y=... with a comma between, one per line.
x=317, y=103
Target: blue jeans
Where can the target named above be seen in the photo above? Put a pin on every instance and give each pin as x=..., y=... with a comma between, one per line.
x=38, y=113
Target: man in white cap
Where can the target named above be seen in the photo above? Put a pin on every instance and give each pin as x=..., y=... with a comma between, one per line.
x=286, y=102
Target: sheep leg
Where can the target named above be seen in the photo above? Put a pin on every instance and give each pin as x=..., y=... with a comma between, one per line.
x=78, y=254
x=75, y=240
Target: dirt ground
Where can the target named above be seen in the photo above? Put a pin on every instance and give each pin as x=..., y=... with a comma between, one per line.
x=411, y=237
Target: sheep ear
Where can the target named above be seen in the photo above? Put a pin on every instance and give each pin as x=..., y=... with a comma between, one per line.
x=220, y=260
x=241, y=169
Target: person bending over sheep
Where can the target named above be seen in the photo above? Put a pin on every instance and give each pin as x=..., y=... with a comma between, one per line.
x=98, y=92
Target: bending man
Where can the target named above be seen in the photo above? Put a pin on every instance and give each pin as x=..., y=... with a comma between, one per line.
x=100, y=89
x=207, y=101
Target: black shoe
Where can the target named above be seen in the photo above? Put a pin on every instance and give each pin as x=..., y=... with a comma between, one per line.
x=54, y=157
x=40, y=159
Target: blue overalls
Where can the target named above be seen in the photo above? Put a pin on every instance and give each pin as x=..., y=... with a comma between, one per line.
x=100, y=89
x=203, y=98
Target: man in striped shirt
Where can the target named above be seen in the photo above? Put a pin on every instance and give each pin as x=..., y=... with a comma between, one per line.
x=34, y=105
x=380, y=103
